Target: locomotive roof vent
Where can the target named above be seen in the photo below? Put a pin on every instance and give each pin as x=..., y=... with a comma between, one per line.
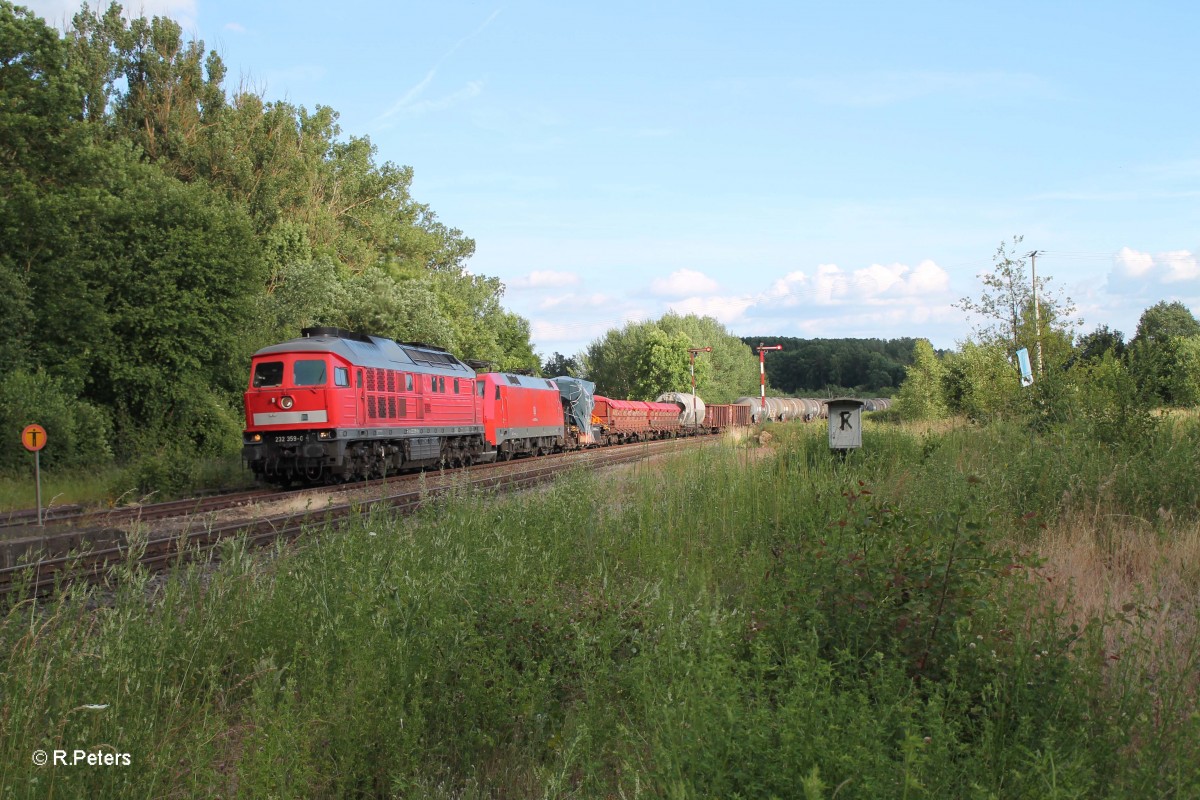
x=434, y=356
x=337, y=333
x=425, y=346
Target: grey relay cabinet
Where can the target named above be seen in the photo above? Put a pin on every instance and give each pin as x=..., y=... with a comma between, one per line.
x=845, y=423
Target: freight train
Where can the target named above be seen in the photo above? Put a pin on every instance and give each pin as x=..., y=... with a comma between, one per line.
x=334, y=406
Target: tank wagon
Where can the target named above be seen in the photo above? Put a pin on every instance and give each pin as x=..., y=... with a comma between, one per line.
x=774, y=409
x=802, y=409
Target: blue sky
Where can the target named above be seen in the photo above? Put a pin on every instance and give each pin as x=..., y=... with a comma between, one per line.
x=790, y=168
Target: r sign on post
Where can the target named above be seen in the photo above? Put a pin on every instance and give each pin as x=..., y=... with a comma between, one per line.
x=845, y=423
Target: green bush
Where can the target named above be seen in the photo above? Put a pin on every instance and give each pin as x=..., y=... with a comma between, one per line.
x=78, y=434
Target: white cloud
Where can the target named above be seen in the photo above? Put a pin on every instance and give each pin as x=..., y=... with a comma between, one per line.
x=684, y=283
x=1179, y=265
x=726, y=310
x=544, y=279
x=1138, y=272
x=873, y=285
x=576, y=301
x=1132, y=264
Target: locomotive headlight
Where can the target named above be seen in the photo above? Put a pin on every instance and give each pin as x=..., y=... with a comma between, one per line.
x=256, y=437
x=325, y=434
x=286, y=402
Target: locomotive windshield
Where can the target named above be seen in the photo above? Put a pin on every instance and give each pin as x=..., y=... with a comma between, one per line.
x=309, y=372
x=268, y=373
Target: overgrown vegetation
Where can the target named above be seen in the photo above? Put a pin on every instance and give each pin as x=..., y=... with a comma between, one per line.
x=741, y=621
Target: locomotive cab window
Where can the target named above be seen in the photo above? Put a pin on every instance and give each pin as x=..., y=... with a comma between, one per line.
x=308, y=372
x=341, y=376
x=268, y=373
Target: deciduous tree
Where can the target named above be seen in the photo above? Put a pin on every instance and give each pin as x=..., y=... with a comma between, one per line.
x=1005, y=308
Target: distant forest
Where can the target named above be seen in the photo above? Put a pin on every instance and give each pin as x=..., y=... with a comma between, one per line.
x=832, y=366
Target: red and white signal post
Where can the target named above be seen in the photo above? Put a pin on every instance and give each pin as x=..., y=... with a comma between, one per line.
x=34, y=439
x=762, y=375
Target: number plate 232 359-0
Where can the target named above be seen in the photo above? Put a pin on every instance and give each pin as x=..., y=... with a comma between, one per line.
x=288, y=439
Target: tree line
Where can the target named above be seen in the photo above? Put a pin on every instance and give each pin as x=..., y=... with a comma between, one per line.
x=157, y=228
x=828, y=367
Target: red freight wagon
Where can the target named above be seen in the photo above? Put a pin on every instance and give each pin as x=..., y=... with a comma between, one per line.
x=719, y=417
x=664, y=419
x=633, y=420
x=620, y=419
x=521, y=415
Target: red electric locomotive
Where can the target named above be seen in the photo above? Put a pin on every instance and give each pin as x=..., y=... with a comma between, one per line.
x=334, y=405
x=521, y=415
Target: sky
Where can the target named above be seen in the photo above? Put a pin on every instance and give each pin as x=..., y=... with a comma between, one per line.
x=790, y=168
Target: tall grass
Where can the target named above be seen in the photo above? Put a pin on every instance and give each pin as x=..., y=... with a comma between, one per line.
x=150, y=479
x=743, y=621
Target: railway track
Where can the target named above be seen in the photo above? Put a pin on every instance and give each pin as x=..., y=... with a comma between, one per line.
x=89, y=554
x=20, y=523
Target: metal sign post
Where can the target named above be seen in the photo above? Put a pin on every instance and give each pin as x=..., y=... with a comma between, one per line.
x=34, y=439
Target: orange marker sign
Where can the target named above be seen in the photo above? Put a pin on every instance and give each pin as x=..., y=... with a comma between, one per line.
x=33, y=437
